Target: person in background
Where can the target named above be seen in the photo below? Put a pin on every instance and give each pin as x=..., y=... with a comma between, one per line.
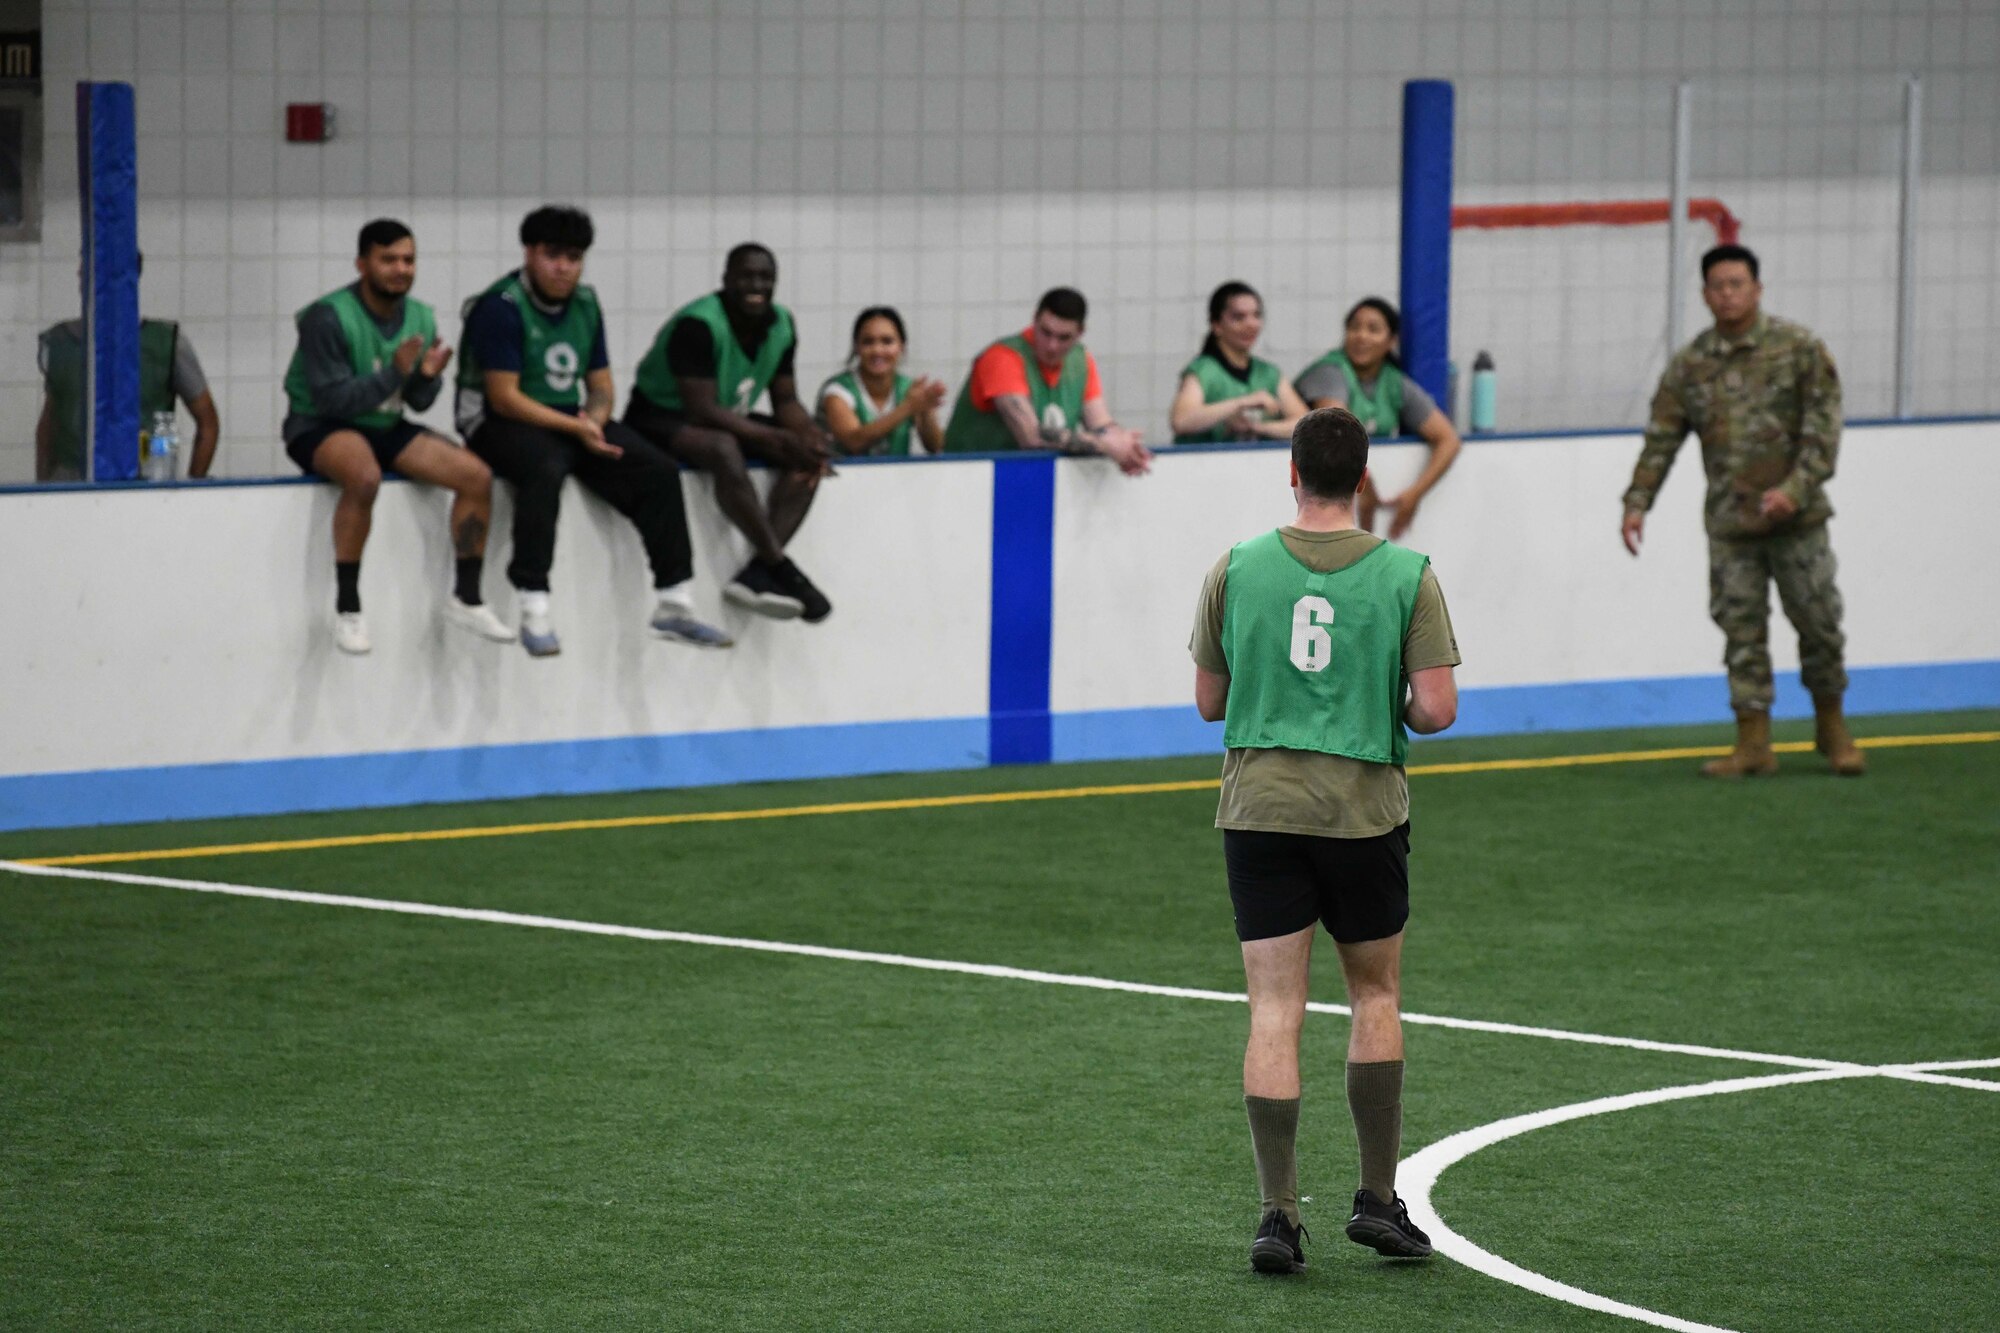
x=1364, y=376
x=872, y=407
x=534, y=400
x=1226, y=393
x=1059, y=406
x=1764, y=396
x=365, y=351
x=168, y=369
x=694, y=396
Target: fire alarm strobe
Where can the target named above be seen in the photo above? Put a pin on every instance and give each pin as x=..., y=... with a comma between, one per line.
x=308, y=122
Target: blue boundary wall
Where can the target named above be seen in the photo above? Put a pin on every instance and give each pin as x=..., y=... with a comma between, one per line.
x=108, y=184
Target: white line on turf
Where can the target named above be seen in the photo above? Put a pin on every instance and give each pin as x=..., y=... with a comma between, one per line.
x=494, y=917
x=1418, y=1174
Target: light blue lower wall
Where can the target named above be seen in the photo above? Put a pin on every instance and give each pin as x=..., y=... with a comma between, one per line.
x=201, y=791
x=1143, y=733
x=479, y=773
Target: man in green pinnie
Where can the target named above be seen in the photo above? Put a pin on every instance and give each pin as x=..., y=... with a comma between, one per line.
x=365, y=352
x=1320, y=647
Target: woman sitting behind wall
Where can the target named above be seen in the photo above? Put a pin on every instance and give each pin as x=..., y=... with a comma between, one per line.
x=1364, y=376
x=872, y=407
x=1226, y=393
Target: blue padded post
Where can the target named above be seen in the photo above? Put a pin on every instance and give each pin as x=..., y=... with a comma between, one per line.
x=1426, y=238
x=108, y=181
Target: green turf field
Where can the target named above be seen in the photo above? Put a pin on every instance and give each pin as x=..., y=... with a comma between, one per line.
x=232, y=1112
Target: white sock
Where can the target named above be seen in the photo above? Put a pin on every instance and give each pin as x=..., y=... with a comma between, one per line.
x=533, y=603
x=678, y=598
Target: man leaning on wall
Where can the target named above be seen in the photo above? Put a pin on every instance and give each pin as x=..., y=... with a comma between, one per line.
x=1763, y=395
x=168, y=369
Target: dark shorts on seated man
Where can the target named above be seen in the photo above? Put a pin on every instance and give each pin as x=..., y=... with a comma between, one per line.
x=384, y=442
x=1280, y=883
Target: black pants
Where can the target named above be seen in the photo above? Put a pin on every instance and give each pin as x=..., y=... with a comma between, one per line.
x=643, y=484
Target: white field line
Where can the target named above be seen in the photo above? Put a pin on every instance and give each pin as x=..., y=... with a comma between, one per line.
x=1417, y=1175
x=995, y=970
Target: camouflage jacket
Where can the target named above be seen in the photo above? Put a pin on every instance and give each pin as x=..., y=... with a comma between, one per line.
x=1767, y=408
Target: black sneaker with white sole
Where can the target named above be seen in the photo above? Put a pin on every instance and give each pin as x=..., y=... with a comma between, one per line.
x=759, y=587
x=1278, y=1247
x=795, y=582
x=1386, y=1228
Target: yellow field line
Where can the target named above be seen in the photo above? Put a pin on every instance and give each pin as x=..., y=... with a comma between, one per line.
x=931, y=803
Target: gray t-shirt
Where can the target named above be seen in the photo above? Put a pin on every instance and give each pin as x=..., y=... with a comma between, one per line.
x=189, y=382
x=1325, y=382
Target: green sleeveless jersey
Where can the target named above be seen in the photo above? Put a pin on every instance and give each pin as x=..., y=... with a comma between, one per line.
x=555, y=351
x=1058, y=406
x=740, y=379
x=1380, y=413
x=62, y=356
x=897, y=441
x=1316, y=660
x=368, y=350
x=1218, y=383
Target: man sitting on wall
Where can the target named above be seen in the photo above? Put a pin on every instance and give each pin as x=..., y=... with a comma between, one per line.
x=693, y=394
x=168, y=369
x=534, y=401
x=1060, y=405
x=365, y=351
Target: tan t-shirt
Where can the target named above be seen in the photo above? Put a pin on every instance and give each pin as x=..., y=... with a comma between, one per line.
x=1303, y=791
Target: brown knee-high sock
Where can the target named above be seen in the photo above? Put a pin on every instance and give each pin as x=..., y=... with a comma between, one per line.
x=1274, y=1135
x=1375, y=1096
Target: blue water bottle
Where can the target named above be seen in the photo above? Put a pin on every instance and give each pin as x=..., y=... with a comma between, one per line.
x=1480, y=415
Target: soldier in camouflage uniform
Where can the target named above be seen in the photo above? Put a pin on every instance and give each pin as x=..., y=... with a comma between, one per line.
x=1763, y=395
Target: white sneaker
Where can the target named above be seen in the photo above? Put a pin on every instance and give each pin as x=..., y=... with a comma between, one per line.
x=350, y=633
x=478, y=620
x=538, y=634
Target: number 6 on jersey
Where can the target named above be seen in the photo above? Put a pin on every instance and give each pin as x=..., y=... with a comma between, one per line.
x=1312, y=646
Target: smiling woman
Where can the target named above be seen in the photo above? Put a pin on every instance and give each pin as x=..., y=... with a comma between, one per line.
x=872, y=407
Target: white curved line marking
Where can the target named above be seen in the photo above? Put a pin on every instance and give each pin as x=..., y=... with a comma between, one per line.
x=1418, y=1174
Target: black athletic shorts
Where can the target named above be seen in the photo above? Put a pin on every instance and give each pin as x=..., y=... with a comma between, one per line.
x=384, y=444
x=1284, y=882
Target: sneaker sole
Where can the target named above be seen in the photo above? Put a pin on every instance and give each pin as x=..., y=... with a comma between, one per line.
x=764, y=604
x=556, y=651
x=668, y=636
x=362, y=651
x=474, y=630
x=1274, y=1256
x=1385, y=1239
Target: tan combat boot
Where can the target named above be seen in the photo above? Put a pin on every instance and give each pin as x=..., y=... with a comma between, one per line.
x=1830, y=738
x=1752, y=757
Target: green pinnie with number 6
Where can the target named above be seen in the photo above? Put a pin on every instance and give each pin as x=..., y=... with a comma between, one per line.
x=1320, y=647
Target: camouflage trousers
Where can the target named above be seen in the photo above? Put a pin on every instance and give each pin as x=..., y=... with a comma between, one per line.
x=1740, y=574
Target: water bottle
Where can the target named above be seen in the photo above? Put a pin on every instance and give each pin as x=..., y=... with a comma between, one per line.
x=161, y=443
x=1480, y=414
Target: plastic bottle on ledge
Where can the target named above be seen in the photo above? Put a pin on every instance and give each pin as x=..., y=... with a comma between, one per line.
x=162, y=443
x=1480, y=414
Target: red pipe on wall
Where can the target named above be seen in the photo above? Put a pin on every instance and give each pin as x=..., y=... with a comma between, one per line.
x=1604, y=213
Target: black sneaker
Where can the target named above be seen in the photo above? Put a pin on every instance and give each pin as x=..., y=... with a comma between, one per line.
x=1386, y=1228
x=1277, y=1248
x=793, y=580
x=758, y=587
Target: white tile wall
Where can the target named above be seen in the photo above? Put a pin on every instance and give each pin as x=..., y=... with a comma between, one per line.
x=955, y=157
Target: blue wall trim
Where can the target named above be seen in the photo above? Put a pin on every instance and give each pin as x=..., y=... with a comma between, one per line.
x=479, y=773
x=474, y=773
x=1024, y=520
x=1598, y=705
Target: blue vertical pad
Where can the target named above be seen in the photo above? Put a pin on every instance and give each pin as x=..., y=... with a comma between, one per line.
x=1426, y=238
x=108, y=178
x=1024, y=520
